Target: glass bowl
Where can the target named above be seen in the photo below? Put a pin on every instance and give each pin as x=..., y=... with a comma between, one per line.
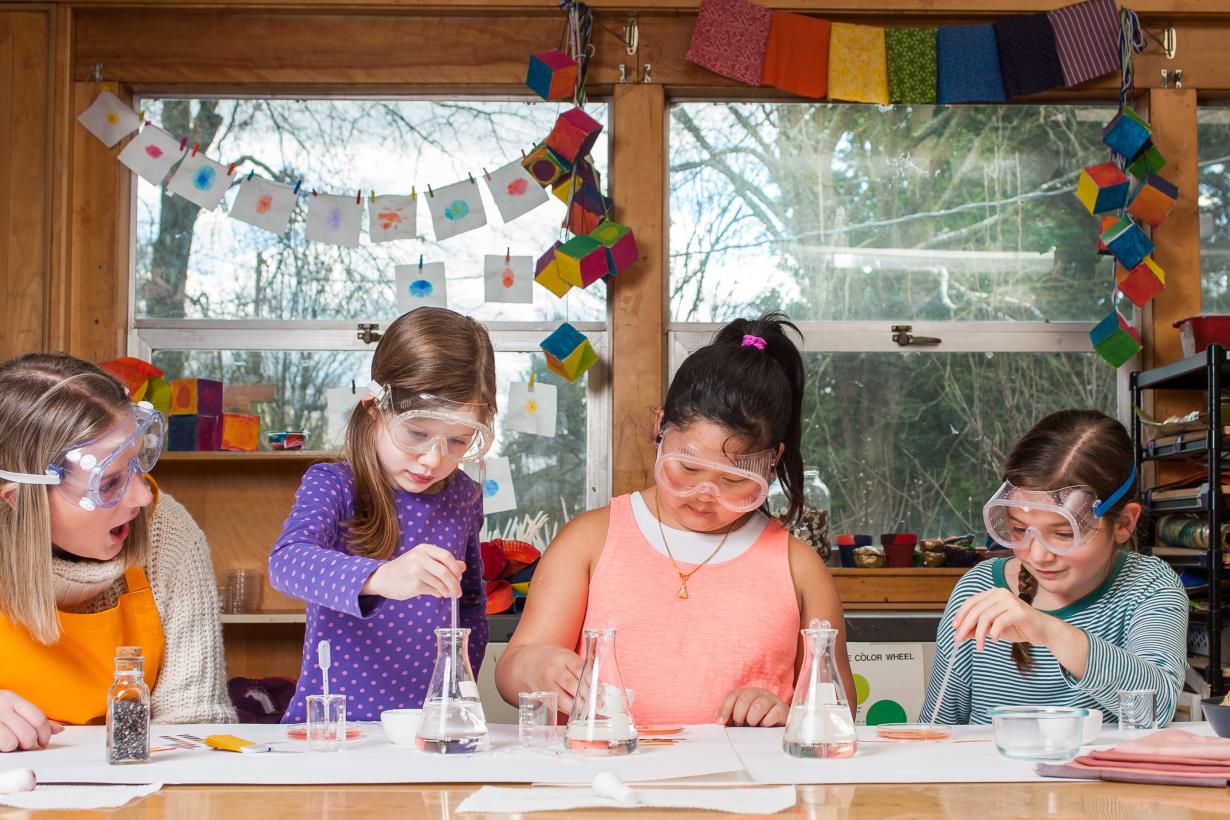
x=1038, y=732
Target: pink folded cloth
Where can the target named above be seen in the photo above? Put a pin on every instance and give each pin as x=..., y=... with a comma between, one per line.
x=1077, y=771
x=1168, y=756
x=1170, y=744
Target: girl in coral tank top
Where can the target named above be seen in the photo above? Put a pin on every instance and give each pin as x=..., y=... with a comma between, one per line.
x=706, y=591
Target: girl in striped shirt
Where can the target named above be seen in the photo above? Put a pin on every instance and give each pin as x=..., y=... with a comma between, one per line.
x=1074, y=617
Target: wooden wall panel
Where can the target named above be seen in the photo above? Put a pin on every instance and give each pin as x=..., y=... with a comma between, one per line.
x=638, y=301
x=24, y=166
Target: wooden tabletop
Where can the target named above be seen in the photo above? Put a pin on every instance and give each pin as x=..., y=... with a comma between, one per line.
x=965, y=800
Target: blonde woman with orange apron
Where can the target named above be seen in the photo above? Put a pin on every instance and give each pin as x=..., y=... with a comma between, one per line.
x=91, y=559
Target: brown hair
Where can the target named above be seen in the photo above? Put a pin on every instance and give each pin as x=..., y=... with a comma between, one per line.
x=1064, y=449
x=428, y=350
x=49, y=402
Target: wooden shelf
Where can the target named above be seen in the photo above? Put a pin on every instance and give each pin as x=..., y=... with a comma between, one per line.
x=264, y=617
x=893, y=588
x=259, y=455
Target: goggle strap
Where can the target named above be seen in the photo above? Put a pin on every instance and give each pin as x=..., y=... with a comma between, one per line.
x=49, y=477
x=1101, y=507
x=377, y=390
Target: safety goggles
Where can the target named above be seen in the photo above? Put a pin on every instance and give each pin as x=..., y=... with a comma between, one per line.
x=97, y=473
x=1077, y=512
x=421, y=422
x=739, y=482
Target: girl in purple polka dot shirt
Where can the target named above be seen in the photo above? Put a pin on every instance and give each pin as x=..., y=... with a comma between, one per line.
x=378, y=544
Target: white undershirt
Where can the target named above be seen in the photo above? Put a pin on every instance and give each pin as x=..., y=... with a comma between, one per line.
x=693, y=547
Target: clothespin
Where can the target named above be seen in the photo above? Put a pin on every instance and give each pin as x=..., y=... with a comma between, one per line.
x=297, y=186
x=414, y=194
x=251, y=173
x=358, y=197
x=141, y=116
x=313, y=192
x=420, y=261
x=522, y=153
x=430, y=192
x=230, y=169
x=183, y=143
x=106, y=87
x=471, y=176
x=487, y=175
x=533, y=378
x=196, y=146
x=353, y=387
x=507, y=255
x=372, y=197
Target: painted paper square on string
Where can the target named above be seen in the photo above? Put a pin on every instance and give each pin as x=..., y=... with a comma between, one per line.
x=392, y=216
x=265, y=204
x=456, y=208
x=200, y=180
x=151, y=154
x=109, y=118
x=508, y=279
x=421, y=286
x=334, y=218
x=515, y=192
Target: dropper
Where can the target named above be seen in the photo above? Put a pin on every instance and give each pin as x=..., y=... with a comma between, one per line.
x=324, y=661
x=939, y=697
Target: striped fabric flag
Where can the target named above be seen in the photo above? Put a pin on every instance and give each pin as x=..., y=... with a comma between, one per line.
x=858, y=64
x=1027, y=55
x=968, y=65
x=1087, y=39
x=730, y=39
x=911, y=65
x=797, y=59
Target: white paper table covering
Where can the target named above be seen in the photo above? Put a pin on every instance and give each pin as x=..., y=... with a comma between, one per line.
x=748, y=800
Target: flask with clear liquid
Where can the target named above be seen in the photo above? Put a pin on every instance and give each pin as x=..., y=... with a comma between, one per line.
x=453, y=719
x=601, y=721
x=820, y=723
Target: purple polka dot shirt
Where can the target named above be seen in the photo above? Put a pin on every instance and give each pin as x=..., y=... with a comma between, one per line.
x=383, y=650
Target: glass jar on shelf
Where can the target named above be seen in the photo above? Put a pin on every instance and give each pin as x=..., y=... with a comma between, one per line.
x=813, y=524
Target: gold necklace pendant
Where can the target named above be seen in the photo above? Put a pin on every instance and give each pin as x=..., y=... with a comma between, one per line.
x=683, y=578
x=683, y=588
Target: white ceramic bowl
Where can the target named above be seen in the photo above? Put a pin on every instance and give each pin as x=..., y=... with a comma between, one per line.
x=1038, y=732
x=401, y=725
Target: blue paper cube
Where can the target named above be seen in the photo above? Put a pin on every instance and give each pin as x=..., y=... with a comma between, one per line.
x=182, y=434
x=1127, y=242
x=552, y=75
x=1127, y=134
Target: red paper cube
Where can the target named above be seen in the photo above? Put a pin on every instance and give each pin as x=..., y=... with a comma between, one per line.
x=574, y=134
x=240, y=432
x=1102, y=188
x=208, y=433
x=1141, y=283
x=552, y=75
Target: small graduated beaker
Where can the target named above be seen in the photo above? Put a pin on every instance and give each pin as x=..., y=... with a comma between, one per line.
x=453, y=719
x=820, y=723
x=537, y=718
x=326, y=722
x=601, y=720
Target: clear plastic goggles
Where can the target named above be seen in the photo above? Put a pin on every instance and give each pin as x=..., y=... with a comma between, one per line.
x=421, y=422
x=1073, y=515
x=97, y=473
x=739, y=482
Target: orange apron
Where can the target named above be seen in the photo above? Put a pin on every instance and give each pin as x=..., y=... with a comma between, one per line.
x=69, y=680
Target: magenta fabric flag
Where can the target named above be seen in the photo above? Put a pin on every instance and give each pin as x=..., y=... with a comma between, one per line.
x=1087, y=39
x=731, y=38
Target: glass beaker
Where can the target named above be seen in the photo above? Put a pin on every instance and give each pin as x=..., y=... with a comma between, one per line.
x=326, y=722
x=601, y=721
x=820, y=723
x=453, y=719
x=128, y=707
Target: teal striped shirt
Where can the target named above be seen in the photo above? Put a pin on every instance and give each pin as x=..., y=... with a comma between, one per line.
x=1136, y=621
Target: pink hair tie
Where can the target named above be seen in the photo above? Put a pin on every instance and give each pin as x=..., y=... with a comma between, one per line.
x=753, y=341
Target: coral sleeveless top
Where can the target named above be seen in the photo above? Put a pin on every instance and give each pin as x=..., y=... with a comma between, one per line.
x=738, y=627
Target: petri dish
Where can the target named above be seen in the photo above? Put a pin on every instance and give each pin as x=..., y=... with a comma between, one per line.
x=912, y=731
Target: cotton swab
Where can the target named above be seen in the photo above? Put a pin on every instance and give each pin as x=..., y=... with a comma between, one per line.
x=324, y=661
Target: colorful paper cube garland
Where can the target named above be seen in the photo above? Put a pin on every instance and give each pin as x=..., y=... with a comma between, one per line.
x=1141, y=283
x=552, y=75
x=1115, y=340
x=1102, y=188
x=568, y=351
x=1152, y=200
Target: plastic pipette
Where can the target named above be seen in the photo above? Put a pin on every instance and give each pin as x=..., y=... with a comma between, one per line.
x=324, y=661
x=939, y=698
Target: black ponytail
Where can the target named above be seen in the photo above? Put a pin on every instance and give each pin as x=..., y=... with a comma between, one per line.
x=755, y=393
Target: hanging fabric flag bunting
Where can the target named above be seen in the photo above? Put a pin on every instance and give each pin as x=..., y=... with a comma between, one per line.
x=421, y=285
x=391, y=217
x=1027, y=55
x=858, y=64
x=797, y=55
x=334, y=218
x=456, y=208
x=514, y=191
x=264, y=204
x=109, y=119
x=968, y=61
x=911, y=65
x=151, y=154
x=730, y=39
x=200, y=180
x=1086, y=39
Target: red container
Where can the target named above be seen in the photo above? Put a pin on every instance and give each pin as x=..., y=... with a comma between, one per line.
x=1198, y=332
x=899, y=548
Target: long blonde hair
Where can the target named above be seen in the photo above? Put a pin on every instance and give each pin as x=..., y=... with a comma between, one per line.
x=49, y=403
x=428, y=350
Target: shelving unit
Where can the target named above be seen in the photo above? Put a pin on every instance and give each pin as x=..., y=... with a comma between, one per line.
x=1209, y=372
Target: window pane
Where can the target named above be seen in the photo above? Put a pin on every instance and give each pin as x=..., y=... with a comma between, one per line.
x=915, y=442
x=194, y=264
x=549, y=474
x=857, y=212
x=1213, y=134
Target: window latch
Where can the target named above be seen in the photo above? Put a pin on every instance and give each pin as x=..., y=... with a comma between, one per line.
x=903, y=337
x=369, y=333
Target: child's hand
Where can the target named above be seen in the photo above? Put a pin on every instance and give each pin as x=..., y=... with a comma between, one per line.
x=1001, y=616
x=557, y=670
x=424, y=570
x=23, y=726
x=752, y=707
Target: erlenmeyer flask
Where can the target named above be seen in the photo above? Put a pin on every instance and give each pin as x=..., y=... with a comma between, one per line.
x=601, y=721
x=820, y=724
x=453, y=720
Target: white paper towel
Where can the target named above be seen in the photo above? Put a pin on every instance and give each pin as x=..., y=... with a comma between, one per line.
x=77, y=797
x=744, y=800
